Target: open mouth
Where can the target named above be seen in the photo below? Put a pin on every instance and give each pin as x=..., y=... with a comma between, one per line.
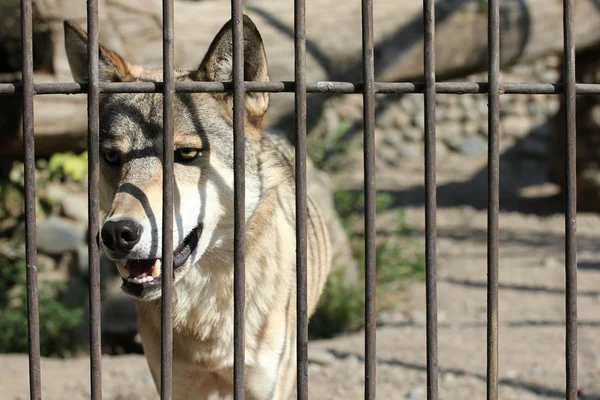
x=146, y=274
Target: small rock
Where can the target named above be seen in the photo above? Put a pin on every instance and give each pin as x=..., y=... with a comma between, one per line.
x=386, y=119
x=471, y=146
x=416, y=394
x=535, y=108
x=57, y=235
x=388, y=155
x=408, y=151
x=393, y=138
x=467, y=102
x=55, y=193
x=83, y=259
x=440, y=150
x=552, y=106
x=320, y=356
x=482, y=107
x=471, y=127
x=75, y=206
x=412, y=134
x=418, y=317
x=402, y=118
x=450, y=131
x=455, y=114
x=549, y=75
x=408, y=103
x=517, y=127
x=419, y=119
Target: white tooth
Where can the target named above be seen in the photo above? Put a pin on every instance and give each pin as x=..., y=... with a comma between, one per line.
x=149, y=278
x=122, y=270
x=156, y=270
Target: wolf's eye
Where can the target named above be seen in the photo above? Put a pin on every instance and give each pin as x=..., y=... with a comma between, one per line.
x=186, y=154
x=111, y=157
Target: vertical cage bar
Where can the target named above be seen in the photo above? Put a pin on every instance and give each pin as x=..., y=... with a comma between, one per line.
x=166, y=355
x=430, y=200
x=493, y=196
x=239, y=279
x=30, y=231
x=301, y=199
x=93, y=195
x=571, y=203
x=369, y=177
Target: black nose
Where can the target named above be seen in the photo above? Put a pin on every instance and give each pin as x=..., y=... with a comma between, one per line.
x=121, y=236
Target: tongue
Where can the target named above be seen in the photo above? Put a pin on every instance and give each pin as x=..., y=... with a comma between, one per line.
x=140, y=268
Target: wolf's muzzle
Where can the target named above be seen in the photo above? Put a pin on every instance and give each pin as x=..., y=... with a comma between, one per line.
x=120, y=237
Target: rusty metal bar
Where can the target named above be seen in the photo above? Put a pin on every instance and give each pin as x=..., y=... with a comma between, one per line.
x=166, y=354
x=301, y=199
x=571, y=202
x=397, y=88
x=369, y=177
x=33, y=321
x=493, y=196
x=239, y=193
x=93, y=205
x=430, y=200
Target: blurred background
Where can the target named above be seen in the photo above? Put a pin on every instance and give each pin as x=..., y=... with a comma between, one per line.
x=531, y=364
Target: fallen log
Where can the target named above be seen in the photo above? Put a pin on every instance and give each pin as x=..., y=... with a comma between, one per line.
x=529, y=29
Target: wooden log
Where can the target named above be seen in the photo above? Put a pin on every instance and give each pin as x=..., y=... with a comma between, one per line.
x=529, y=29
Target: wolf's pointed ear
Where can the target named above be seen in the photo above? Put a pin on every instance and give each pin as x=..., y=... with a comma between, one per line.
x=217, y=65
x=111, y=66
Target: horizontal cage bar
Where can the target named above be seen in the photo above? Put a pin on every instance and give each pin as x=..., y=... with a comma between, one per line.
x=311, y=87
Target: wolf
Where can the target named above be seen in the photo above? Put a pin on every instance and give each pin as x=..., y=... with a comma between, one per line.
x=130, y=201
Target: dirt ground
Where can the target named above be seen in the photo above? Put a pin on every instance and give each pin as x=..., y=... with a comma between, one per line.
x=531, y=310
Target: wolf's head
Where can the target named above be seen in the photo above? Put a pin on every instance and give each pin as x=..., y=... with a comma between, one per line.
x=131, y=142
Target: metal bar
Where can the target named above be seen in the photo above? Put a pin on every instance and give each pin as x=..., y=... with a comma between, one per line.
x=35, y=389
x=493, y=196
x=369, y=177
x=301, y=199
x=311, y=87
x=166, y=354
x=239, y=193
x=571, y=202
x=430, y=199
x=93, y=205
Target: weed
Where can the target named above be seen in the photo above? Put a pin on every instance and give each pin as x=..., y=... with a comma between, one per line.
x=341, y=306
x=59, y=324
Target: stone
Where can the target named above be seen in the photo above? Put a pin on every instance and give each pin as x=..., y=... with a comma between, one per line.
x=410, y=103
x=516, y=126
x=392, y=138
x=83, y=263
x=467, y=101
x=455, y=114
x=388, y=155
x=402, y=118
x=471, y=146
x=450, y=131
x=320, y=356
x=408, y=151
x=75, y=206
x=535, y=109
x=482, y=107
x=56, y=235
x=412, y=134
x=471, y=128
x=416, y=394
x=419, y=119
x=386, y=119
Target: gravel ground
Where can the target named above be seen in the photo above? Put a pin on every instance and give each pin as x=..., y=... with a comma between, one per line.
x=531, y=311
